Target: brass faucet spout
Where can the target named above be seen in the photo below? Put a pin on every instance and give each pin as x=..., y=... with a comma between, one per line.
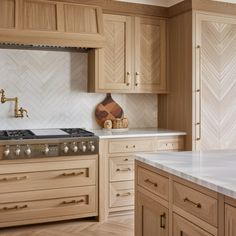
x=18, y=112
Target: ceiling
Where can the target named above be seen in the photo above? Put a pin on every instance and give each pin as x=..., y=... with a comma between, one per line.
x=165, y=3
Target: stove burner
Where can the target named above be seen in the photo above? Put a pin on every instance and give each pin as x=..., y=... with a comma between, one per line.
x=76, y=132
x=49, y=134
x=16, y=134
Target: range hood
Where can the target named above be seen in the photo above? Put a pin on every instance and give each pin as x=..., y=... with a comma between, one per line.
x=42, y=23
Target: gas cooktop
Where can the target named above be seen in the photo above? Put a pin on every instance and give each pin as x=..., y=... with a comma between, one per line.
x=44, y=133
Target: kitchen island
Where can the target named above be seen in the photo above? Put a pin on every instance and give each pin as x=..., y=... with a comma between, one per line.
x=186, y=193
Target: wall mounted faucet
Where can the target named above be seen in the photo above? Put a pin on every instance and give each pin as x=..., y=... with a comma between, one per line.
x=19, y=112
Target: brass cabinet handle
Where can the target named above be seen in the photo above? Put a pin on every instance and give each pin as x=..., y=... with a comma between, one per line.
x=72, y=174
x=181, y=233
x=16, y=207
x=163, y=221
x=73, y=202
x=128, y=78
x=197, y=205
x=148, y=181
x=198, y=90
x=133, y=146
x=14, y=178
x=137, y=77
x=124, y=194
x=125, y=169
x=126, y=159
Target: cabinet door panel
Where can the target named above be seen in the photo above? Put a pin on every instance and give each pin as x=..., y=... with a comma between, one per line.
x=80, y=19
x=215, y=111
x=38, y=15
x=151, y=217
x=182, y=227
x=150, y=55
x=117, y=53
x=7, y=13
x=230, y=220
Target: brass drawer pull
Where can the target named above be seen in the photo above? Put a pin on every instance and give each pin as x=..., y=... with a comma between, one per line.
x=148, y=181
x=73, y=202
x=16, y=207
x=72, y=174
x=126, y=169
x=123, y=195
x=133, y=146
x=197, y=205
x=13, y=178
x=162, y=221
x=126, y=159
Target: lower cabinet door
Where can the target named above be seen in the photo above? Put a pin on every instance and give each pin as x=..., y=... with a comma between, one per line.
x=182, y=227
x=230, y=220
x=151, y=217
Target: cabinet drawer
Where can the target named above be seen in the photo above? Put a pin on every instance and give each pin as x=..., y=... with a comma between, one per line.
x=121, y=168
x=127, y=146
x=170, y=144
x=121, y=194
x=153, y=182
x=184, y=227
x=47, y=204
x=196, y=203
x=81, y=174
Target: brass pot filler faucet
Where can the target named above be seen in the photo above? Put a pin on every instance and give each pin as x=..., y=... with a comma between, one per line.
x=19, y=112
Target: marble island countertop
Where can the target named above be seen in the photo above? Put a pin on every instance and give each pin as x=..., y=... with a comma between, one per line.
x=136, y=133
x=215, y=170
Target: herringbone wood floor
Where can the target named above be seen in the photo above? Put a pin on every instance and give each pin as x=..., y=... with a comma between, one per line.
x=115, y=226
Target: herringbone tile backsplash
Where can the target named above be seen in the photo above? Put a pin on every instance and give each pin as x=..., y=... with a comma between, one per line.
x=52, y=86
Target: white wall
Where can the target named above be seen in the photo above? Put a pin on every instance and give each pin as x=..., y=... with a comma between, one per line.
x=52, y=86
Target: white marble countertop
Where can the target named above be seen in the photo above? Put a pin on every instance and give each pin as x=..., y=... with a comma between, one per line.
x=135, y=133
x=215, y=170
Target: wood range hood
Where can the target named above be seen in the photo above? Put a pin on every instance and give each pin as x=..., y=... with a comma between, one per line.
x=41, y=23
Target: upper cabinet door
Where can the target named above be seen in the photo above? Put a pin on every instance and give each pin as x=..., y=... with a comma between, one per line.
x=150, y=55
x=38, y=15
x=7, y=13
x=82, y=19
x=116, y=54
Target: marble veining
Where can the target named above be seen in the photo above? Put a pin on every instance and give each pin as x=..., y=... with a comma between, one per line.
x=215, y=170
x=136, y=133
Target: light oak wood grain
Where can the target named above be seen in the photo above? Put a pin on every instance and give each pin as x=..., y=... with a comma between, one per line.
x=184, y=227
x=177, y=105
x=7, y=13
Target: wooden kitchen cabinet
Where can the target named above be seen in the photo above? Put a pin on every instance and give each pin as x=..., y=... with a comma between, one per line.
x=190, y=209
x=152, y=217
x=182, y=227
x=200, y=78
x=117, y=171
x=150, y=55
x=134, y=57
x=51, y=23
x=115, y=58
x=45, y=190
x=230, y=219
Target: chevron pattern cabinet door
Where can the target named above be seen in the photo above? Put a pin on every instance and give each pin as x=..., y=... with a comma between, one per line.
x=117, y=53
x=150, y=55
x=218, y=83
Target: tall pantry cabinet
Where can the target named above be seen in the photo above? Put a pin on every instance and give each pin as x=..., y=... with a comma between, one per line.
x=202, y=74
